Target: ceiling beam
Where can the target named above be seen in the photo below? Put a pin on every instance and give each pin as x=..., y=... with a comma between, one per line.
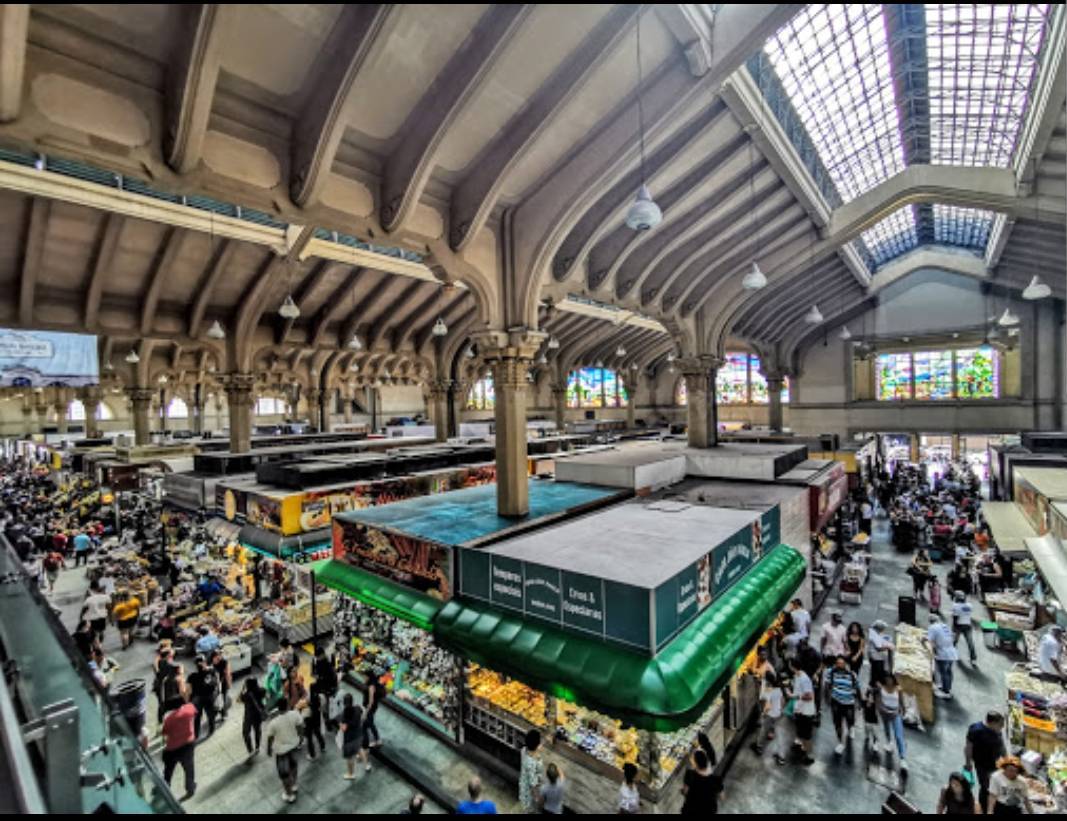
x=365, y=310
x=397, y=307
x=424, y=314
x=162, y=266
x=209, y=280
x=321, y=125
x=758, y=312
x=192, y=82
x=335, y=305
x=322, y=271
x=412, y=161
x=452, y=314
x=14, y=27
x=33, y=248
x=473, y=199
x=103, y=258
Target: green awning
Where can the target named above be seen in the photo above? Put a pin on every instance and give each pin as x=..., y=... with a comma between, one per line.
x=661, y=693
x=379, y=593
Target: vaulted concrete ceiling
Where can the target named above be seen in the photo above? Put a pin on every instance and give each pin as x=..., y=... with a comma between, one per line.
x=365, y=154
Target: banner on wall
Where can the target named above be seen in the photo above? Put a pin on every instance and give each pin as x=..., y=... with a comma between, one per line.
x=39, y=359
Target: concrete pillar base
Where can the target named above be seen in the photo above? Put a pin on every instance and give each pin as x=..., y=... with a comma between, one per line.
x=140, y=403
x=703, y=422
x=240, y=397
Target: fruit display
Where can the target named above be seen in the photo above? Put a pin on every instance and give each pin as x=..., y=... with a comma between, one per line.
x=671, y=749
x=503, y=693
x=404, y=658
x=597, y=735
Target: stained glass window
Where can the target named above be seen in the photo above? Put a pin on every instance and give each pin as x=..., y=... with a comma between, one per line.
x=681, y=393
x=978, y=373
x=731, y=385
x=933, y=374
x=482, y=395
x=596, y=388
x=759, y=383
x=894, y=376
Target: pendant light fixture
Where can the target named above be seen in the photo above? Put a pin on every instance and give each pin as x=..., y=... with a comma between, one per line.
x=845, y=334
x=132, y=357
x=1037, y=289
x=620, y=352
x=542, y=360
x=553, y=343
x=354, y=344
x=755, y=279
x=108, y=366
x=1008, y=319
x=440, y=328
x=813, y=316
x=644, y=214
x=289, y=309
x=216, y=331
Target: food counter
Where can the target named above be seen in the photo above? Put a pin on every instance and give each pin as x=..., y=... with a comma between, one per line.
x=913, y=666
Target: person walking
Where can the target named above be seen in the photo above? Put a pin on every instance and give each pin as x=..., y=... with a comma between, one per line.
x=919, y=570
x=962, y=623
x=283, y=739
x=629, y=794
x=372, y=697
x=552, y=791
x=1008, y=793
x=125, y=615
x=53, y=563
x=1049, y=653
x=891, y=712
x=475, y=804
x=772, y=701
x=531, y=773
x=844, y=692
x=313, y=715
x=83, y=545
x=804, y=712
x=96, y=608
x=940, y=642
x=879, y=650
x=179, y=745
x=352, y=736
x=983, y=748
x=702, y=788
x=204, y=687
x=856, y=647
x=253, y=699
x=958, y=798
x=221, y=665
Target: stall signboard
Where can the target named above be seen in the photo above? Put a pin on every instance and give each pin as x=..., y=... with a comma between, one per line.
x=1033, y=504
x=681, y=599
x=231, y=503
x=828, y=493
x=419, y=564
x=38, y=359
x=611, y=611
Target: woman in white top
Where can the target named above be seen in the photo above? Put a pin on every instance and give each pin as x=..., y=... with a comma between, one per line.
x=1008, y=793
x=879, y=650
x=891, y=711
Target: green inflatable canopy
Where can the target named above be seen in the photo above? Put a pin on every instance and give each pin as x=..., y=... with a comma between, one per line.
x=379, y=593
x=663, y=693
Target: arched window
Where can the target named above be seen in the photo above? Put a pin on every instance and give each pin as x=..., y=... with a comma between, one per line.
x=270, y=406
x=681, y=392
x=482, y=395
x=596, y=388
x=76, y=411
x=177, y=409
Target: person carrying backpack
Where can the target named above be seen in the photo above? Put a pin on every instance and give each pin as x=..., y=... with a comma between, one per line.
x=844, y=693
x=204, y=687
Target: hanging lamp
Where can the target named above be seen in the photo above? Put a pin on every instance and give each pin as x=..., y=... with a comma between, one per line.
x=440, y=328
x=755, y=279
x=845, y=334
x=354, y=344
x=553, y=343
x=1008, y=319
x=216, y=331
x=620, y=352
x=1037, y=289
x=132, y=357
x=813, y=316
x=289, y=309
x=644, y=214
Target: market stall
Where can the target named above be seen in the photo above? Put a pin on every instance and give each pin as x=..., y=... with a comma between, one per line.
x=913, y=665
x=1037, y=725
x=1008, y=525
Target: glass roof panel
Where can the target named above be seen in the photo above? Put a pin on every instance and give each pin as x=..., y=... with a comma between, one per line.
x=963, y=227
x=833, y=61
x=982, y=61
x=891, y=237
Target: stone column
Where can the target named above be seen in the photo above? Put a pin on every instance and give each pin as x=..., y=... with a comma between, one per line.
x=458, y=398
x=91, y=397
x=347, y=407
x=509, y=355
x=703, y=423
x=317, y=410
x=559, y=404
x=956, y=446
x=60, y=408
x=631, y=405
x=775, y=383
x=140, y=403
x=915, y=450
x=239, y=395
x=27, y=419
x=164, y=406
x=438, y=407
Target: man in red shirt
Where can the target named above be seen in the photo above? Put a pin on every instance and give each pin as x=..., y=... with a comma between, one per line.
x=179, y=745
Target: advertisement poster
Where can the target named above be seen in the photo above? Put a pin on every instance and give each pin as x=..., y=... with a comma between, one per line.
x=40, y=359
x=1033, y=505
x=420, y=565
x=265, y=513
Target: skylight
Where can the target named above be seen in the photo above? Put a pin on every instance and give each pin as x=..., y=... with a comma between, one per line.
x=891, y=237
x=982, y=61
x=963, y=227
x=833, y=61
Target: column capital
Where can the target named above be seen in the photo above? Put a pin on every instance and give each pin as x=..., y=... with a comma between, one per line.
x=517, y=343
x=316, y=396
x=697, y=365
x=91, y=393
x=239, y=388
x=559, y=389
x=439, y=388
x=140, y=396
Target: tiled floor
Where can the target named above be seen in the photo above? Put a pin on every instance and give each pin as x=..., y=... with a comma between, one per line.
x=229, y=783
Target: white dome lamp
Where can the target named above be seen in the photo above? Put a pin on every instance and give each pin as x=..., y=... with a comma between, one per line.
x=813, y=316
x=1008, y=319
x=755, y=279
x=289, y=309
x=553, y=343
x=440, y=328
x=644, y=214
x=542, y=360
x=354, y=344
x=620, y=352
x=845, y=334
x=216, y=331
x=1037, y=289
x=132, y=357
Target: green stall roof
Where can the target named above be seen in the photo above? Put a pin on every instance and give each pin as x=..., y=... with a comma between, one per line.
x=379, y=593
x=661, y=693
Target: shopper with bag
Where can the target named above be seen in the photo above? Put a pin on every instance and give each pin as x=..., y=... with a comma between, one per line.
x=844, y=692
x=350, y=737
x=252, y=697
x=283, y=739
x=889, y=700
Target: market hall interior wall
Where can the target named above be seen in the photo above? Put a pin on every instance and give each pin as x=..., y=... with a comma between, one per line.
x=826, y=398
